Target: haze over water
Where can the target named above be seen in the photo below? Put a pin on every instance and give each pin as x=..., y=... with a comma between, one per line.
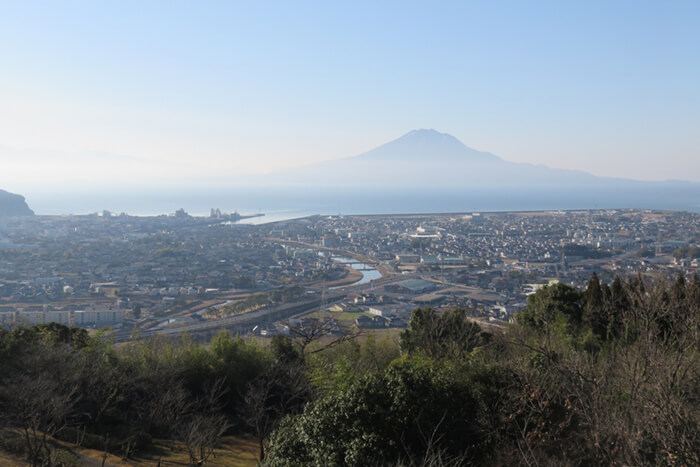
x=285, y=203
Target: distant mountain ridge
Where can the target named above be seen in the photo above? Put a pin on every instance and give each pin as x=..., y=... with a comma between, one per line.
x=421, y=171
x=419, y=144
x=423, y=158
x=13, y=205
x=428, y=171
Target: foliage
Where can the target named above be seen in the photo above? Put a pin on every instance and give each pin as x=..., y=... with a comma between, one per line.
x=57, y=382
x=553, y=307
x=383, y=418
x=603, y=376
x=255, y=301
x=336, y=368
x=446, y=335
x=688, y=251
x=646, y=252
x=607, y=375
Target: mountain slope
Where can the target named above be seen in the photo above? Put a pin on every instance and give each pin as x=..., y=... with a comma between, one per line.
x=13, y=205
x=427, y=171
x=418, y=145
x=427, y=158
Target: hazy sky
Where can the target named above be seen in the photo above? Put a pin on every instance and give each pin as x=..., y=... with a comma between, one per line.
x=120, y=91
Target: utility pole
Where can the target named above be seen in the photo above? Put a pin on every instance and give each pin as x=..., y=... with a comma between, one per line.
x=324, y=298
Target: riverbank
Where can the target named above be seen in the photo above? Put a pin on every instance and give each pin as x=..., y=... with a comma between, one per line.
x=353, y=276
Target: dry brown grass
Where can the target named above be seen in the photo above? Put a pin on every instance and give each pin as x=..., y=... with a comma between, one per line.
x=233, y=452
x=8, y=461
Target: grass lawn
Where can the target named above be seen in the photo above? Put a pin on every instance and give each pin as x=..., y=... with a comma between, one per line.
x=347, y=316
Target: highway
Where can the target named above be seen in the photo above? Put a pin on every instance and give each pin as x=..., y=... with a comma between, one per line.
x=269, y=314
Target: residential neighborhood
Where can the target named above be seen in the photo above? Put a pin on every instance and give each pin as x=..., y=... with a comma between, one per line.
x=179, y=272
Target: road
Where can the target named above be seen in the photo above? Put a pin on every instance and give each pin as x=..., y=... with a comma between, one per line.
x=270, y=313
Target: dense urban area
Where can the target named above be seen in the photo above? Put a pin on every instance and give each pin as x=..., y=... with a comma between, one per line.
x=170, y=274
x=522, y=338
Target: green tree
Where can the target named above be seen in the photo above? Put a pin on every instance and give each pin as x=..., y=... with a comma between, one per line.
x=446, y=335
x=594, y=310
x=401, y=415
x=646, y=252
x=686, y=252
x=553, y=305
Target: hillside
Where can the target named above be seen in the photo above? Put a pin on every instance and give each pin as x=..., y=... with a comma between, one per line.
x=13, y=205
x=606, y=375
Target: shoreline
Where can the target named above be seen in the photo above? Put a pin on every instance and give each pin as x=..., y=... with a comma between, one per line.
x=534, y=212
x=415, y=215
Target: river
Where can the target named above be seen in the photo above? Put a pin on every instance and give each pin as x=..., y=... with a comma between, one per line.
x=368, y=272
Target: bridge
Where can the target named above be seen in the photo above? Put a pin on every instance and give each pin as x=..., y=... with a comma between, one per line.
x=353, y=264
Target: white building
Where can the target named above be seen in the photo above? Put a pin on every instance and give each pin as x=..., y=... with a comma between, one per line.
x=99, y=317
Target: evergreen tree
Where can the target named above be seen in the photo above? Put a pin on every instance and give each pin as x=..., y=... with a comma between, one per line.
x=593, y=309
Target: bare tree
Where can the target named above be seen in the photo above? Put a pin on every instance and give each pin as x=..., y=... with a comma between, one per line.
x=635, y=403
x=281, y=389
x=204, y=423
x=324, y=331
x=39, y=398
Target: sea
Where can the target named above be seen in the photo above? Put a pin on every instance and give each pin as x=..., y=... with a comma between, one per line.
x=279, y=203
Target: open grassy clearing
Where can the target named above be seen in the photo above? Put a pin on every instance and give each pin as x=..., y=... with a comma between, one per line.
x=232, y=451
